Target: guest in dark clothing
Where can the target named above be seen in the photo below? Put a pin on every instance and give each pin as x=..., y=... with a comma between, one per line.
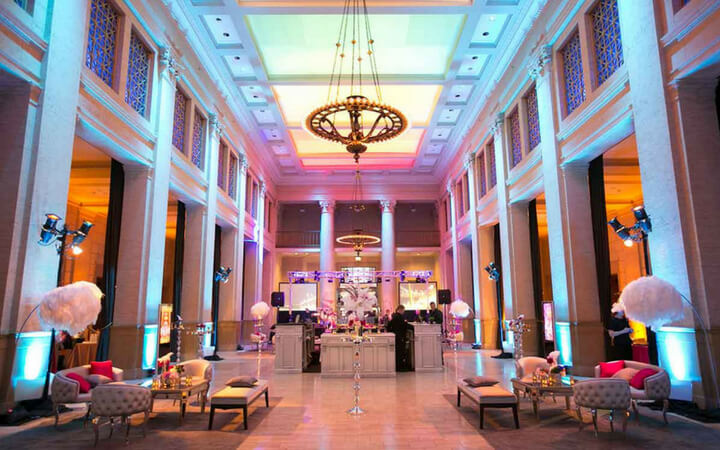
x=620, y=331
x=435, y=315
x=399, y=326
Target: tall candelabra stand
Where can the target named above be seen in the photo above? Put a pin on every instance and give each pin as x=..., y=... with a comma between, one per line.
x=200, y=332
x=357, y=339
x=457, y=323
x=260, y=337
x=179, y=328
x=518, y=327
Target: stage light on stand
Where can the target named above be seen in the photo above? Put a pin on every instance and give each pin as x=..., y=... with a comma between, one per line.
x=76, y=250
x=222, y=274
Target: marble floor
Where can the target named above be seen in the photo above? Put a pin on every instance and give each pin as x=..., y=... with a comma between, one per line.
x=412, y=411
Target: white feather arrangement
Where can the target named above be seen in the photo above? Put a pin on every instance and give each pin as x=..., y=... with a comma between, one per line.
x=72, y=307
x=459, y=309
x=652, y=301
x=259, y=310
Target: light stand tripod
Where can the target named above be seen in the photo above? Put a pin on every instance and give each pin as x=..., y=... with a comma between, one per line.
x=494, y=275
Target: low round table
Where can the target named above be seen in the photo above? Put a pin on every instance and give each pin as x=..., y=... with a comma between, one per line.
x=536, y=391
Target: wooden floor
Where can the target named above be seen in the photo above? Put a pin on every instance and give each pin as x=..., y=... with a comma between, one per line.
x=412, y=411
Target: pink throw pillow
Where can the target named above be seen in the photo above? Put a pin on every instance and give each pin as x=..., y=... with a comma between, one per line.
x=608, y=369
x=84, y=384
x=638, y=381
x=103, y=368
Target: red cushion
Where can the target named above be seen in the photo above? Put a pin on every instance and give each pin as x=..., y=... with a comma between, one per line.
x=608, y=369
x=638, y=380
x=103, y=368
x=84, y=384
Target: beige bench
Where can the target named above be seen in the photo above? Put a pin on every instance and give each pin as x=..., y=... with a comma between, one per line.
x=489, y=397
x=238, y=398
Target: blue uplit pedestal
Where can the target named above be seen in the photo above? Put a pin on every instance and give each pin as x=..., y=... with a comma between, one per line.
x=32, y=354
x=150, y=346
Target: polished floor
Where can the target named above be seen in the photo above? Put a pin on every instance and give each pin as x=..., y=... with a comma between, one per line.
x=411, y=411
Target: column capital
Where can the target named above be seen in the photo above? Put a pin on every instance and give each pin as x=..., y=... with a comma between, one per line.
x=242, y=159
x=498, y=123
x=327, y=206
x=469, y=160
x=540, y=63
x=387, y=205
x=169, y=63
x=449, y=188
x=262, y=189
x=215, y=126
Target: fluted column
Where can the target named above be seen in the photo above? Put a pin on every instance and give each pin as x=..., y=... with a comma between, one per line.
x=516, y=264
x=327, y=251
x=453, y=232
x=387, y=242
x=142, y=236
x=475, y=246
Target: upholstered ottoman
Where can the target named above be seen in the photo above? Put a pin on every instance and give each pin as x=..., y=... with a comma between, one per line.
x=238, y=398
x=494, y=396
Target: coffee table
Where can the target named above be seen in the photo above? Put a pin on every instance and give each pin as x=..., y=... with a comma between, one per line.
x=536, y=391
x=182, y=394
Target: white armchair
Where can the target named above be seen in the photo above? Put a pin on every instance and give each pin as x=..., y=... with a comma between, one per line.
x=655, y=387
x=602, y=393
x=199, y=369
x=525, y=367
x=119, y=400
x=65, y=390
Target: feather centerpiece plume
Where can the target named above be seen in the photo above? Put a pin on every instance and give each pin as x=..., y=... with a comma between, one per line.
x=460, y=309
x=72, y=307
x=259, y=310
x=652, y=301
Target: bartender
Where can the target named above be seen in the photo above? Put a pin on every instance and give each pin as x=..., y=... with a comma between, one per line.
x=399, y=326
x=435, y=315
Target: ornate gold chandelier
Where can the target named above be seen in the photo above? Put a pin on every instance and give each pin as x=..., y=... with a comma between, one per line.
x=355, y=120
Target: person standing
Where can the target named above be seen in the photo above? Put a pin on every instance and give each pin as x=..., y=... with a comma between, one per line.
x=399, y=327
x=435, y=315
x=620, y=331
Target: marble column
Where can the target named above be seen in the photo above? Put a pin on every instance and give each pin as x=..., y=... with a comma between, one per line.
x=579, y=329
x=231, y=300
x=260, y=239
x=387, y=262
x=327, y=252
x=516, y=269
x=677, y=243
x=454, y=239
x=477, y=272
x=142, y=236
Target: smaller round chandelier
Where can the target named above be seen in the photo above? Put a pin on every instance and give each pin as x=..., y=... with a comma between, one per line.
x=355, y=120
x=358, y=240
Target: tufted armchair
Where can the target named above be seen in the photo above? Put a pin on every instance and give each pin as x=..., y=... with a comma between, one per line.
x=656, y=387
x=525, y=367
x=199, y=369
x=119, y=400
x=602, y=393
x=65, y=390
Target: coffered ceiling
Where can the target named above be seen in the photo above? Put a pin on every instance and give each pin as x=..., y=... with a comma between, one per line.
x=433, y=58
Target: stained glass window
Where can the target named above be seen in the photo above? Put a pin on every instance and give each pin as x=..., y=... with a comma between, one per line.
x=232, y=176
x=573, y=73
x=222, y=156
x=179, y=120
x=102, y=34
x=197, y=139
x=138, y=72
x=490, y=150
x=482, y=174
x=606, y=37
x=532, y=118
x=515, y=139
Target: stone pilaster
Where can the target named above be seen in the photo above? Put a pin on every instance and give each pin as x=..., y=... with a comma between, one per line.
x=476, y=301
x=327, y=252
x=387, y=242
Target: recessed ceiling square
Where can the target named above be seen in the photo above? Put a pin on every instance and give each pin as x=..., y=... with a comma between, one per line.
x=294, y=45
x=489, y=29
x=417, y=102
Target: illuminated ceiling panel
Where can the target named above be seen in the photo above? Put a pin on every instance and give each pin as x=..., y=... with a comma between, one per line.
x=417, y=102
x=405, y=144
x=489, y=28
x=302, y=45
